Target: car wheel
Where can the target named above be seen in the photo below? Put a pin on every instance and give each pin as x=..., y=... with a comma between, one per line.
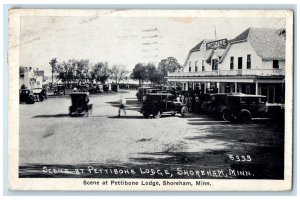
x=184, y=111
x=146, y=115
x=245, y=117
x=227, y=115
x=157, y=114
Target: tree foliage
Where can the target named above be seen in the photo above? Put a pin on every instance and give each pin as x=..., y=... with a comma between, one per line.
x=156, y=75
x=139, y=73
x=100, y=72
x=118, y=73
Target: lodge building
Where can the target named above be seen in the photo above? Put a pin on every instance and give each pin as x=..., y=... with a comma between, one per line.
x=251, y=63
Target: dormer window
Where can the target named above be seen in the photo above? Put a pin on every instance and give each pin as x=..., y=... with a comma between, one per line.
x=231, y=62
x=190, y=66
x=196, y=66
x=214, y=64
x=249, y=61
x=275, y=64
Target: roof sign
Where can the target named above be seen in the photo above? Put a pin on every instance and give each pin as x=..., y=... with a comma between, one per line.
x=221, y=44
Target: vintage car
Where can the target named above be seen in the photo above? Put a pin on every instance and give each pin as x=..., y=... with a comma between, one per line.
x=95, y=88
x=114, y=87
x=157, y=104
x=80, y=104
x=105, y=88
x=142, y=92
x=214, y=104
x=59, y=90
x=41, y=93
x=83, y=88
x=27, y=96
x=244, y=107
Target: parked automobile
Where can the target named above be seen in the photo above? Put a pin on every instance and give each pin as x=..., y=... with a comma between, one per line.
x=141, y=92
x=215, y=104
x=83, y=88
x=59, y=90
x=95, y=88
x=245, y=107
x=41, y=93
x=105, y=88
x=114, y=87
x=80, y=104
x=157, y=104
x=27, y=96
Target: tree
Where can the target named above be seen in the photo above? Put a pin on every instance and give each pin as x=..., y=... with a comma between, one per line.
x=152, y=73
x=82, y=69
x=100, y=72
x=66, y=71
x=168, y=65
x=53, y=65
x=282, y=32
x=118, y=72
x=139, y=73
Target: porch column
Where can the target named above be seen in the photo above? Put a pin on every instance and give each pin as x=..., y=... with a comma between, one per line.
x=219, y=87
x=175, y=84
x=235, y=87
x=256, y=87
x=186, y=86
x=204, y=87
x=193, y=85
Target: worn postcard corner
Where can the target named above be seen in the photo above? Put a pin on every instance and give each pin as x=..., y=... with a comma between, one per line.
x=150, y=100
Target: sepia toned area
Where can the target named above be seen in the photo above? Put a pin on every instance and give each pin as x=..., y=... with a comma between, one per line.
x=153, y=98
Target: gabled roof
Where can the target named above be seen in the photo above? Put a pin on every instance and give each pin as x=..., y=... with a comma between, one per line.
x=267, y=43
x=241, y=37
x=200, y=47
x=197, y=47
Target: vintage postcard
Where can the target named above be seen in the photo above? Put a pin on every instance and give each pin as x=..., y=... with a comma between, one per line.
x=150, y=100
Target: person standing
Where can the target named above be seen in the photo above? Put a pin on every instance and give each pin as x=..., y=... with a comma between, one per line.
x=122, y=106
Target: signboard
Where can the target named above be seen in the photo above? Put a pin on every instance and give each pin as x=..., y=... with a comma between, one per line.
x=221, y=44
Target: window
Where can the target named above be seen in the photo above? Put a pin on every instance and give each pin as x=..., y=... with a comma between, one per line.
x=249, y=61
x=203, y=67
x=196, y=66
x=190, y=67
x=275, y=64
x=231, y=62
x=214, y=64
x=240, y=62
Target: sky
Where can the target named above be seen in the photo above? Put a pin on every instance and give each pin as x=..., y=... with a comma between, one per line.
x=123, y=40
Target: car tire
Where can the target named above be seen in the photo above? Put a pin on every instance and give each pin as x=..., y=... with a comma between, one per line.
x=184, y=111
x=245, y=117
x=157, y=114
x=146, y=115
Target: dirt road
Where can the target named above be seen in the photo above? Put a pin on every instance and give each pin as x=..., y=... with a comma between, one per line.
x=48, y=136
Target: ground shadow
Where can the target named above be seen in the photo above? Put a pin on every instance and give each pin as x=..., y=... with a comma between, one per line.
x=50, y=116
x=126, y=117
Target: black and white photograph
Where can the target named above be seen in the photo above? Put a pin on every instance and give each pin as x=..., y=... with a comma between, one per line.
x=150, y=100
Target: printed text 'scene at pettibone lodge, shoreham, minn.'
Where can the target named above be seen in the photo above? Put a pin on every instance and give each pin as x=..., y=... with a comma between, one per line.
x=252, y=63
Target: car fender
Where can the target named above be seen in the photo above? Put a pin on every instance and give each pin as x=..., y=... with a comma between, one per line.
x=245, y=111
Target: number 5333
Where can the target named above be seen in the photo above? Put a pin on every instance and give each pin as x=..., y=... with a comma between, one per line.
x=240, y=158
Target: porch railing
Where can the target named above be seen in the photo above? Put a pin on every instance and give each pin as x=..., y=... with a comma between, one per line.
x=240, y=72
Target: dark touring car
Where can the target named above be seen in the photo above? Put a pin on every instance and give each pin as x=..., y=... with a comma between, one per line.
x=80, y=104
x=157, y=104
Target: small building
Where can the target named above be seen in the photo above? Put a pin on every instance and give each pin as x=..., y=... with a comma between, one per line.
x=251, y=63
x=31, y=78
